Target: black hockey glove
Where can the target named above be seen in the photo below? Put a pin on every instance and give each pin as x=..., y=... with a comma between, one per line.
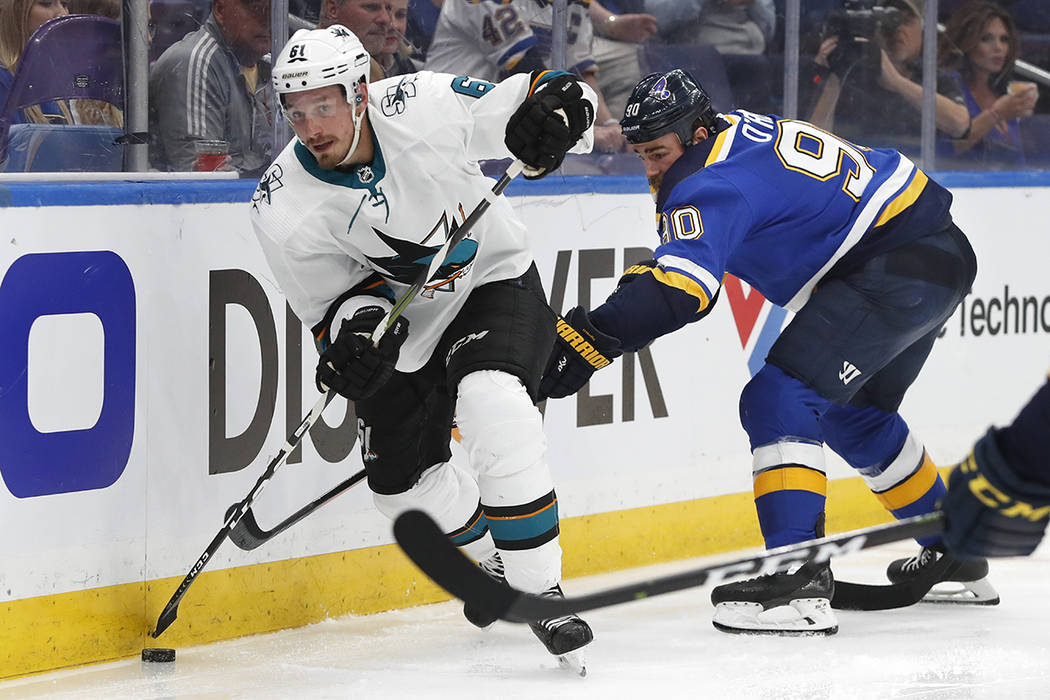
x=579, y=351
x=990, y=512
x=538, y=135
x=352, y=366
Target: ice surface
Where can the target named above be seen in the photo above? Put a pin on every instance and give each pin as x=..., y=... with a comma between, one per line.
x=660, y=647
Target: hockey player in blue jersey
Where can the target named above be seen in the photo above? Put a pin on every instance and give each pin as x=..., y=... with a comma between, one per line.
x=860, y=244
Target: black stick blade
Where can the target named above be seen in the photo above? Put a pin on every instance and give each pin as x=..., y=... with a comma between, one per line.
x=247, y=534
x=432, y=551
x=861, y=596
x=166, y=618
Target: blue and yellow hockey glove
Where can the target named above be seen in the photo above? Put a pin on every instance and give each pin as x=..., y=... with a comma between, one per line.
x=990, y=511
x=579, y=351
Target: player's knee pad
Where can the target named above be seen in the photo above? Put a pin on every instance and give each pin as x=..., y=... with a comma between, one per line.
x=444, y=492
x=774, y=405
x=502, y=430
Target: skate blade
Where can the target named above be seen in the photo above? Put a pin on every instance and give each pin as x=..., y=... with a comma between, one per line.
x=574, y=661
x=979, y=592
x=804, y=617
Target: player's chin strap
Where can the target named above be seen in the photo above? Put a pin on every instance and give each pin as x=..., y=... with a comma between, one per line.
x=358, y=120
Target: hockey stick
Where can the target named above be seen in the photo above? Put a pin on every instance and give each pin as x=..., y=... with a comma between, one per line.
x=247, y=534
x=513, y=170
x=863, y=596
x=432, y=551
x=236, y=512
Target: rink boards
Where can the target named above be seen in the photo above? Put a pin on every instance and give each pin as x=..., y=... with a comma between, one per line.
x=150, y=369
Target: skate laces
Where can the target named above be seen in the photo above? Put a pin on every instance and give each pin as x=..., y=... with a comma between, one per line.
x=493, y=566
x=553, y=623
x=924, y=557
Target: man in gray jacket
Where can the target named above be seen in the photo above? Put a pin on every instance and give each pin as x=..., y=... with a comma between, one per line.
x=212, y=86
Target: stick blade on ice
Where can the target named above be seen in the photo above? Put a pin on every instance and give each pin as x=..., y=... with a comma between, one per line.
x=431, y=550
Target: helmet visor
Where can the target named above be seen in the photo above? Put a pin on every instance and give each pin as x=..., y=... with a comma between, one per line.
x=319, y=104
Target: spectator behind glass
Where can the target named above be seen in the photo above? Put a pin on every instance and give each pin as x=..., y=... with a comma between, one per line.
x=212, y=86
x=980, y=43
x=422, y=18
x=96, y=112
x=491, y=40
x=618, y=32
x=871, y=83
x=18, y=20
x=739, y=30
x=398, y=61
x=371, y=21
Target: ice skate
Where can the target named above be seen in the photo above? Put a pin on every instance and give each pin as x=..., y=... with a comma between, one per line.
x=564, y=636
x=798, y=603
x=963, y=582
x=493, y=566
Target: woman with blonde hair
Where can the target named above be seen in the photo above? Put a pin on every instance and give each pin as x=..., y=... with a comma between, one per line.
x=18, y=20
x=980, y=43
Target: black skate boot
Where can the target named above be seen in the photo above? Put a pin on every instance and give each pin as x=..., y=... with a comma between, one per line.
x=564, y=636
x=967, y=579
x=789, y=604
x=493, y=566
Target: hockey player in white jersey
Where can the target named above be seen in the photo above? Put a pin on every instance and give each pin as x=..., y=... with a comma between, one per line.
x=351, y=212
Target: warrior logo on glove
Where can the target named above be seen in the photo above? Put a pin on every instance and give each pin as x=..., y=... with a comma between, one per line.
x=580, y=351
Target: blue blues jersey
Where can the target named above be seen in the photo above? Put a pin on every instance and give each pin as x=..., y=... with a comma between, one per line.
x=776, y=202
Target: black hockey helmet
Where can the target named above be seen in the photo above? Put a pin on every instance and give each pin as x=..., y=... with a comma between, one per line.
x=667, y=102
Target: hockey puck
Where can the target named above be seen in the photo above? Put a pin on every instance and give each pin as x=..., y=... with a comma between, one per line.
x=158, y=655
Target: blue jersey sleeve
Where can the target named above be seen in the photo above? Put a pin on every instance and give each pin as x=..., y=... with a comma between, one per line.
x=700, y=224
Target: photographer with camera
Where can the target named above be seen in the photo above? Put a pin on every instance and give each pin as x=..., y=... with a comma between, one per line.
x=871, y=81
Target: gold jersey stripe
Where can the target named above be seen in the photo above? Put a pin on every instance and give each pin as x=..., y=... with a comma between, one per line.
x=905, y=199
x=683, y=282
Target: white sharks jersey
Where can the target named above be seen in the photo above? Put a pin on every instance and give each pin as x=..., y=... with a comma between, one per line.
x=325, y=231
x=487, y=38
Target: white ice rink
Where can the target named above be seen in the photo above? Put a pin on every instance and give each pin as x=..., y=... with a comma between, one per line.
x=661, y=647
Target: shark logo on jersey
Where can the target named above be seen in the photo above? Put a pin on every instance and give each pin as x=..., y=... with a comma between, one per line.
x=268, y=184
x=393, y=101
x=412, y=258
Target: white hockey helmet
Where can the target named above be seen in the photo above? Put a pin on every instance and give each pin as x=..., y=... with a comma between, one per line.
x=315, y=58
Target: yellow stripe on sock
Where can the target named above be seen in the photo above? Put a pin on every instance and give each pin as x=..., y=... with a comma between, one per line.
x=791, y=479
x=911, y=489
